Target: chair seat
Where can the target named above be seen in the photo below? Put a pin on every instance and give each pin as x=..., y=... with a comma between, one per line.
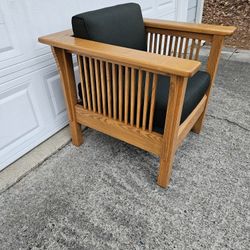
x=196, y=89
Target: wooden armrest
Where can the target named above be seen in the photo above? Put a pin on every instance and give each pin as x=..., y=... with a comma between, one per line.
x=190, y=27
x=139, y=59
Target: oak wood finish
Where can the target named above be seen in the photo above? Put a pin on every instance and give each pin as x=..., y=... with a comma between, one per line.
x=188, y=124
x=190, y=27
x=65, y=67
x=109, y=76
x=212, y=66
x=79, y=58
x=120, y=55
x=177, y=90
x=149, y=141
x=139, y=95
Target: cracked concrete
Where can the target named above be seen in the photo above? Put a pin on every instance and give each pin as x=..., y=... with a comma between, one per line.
x=231, y=122
x=103, y=195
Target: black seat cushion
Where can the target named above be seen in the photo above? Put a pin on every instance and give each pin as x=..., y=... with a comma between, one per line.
x=196, y=89
x=120, y=25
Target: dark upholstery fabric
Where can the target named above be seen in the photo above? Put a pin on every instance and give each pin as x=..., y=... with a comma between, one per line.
x=120, y=25
x=196, y=88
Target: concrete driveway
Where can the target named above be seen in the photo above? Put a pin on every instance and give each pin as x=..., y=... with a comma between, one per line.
x=103, y=195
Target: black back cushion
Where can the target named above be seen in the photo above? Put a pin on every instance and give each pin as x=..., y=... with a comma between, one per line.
x=120, y=25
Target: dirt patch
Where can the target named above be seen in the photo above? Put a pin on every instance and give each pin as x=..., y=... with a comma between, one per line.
x=230, y=12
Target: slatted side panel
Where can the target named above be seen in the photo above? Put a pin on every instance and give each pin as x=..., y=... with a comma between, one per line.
x=174, y=45
x=118, y=92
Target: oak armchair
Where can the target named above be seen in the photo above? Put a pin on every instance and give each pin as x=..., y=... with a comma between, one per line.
x=140, y=79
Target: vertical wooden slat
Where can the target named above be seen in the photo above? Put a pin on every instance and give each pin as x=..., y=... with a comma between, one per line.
x=175, y=45
x=114, y=81
x=180, y=47
x=98, y=90
x=139, y=90
x=109, y=90
x=186, y=47
x=165, y=45
x=192, y=49
x=151, y=42
x=132, y=97
x=170, y=45
x=86, y=74
x=160, y=44
x=126, y=94
x=104, y=110
x=145, y=105
x=198, y=47
x=152, y=105
x=120, y=93
x=79, y=58
x=155, y=43
x=148, y=41
x=92, y=80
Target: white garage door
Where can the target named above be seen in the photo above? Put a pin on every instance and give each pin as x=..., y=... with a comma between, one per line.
x=31, y=101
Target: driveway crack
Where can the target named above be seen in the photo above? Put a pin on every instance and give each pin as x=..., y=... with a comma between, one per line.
x=231, y=122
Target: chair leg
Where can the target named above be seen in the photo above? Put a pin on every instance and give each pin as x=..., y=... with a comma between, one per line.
x=76, y=133
x=175, y=103
x=66, y=69
x=166, y=163
x=199, y=124
x=212, y=66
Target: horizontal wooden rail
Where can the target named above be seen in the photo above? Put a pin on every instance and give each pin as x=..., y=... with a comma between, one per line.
x=121, y=55
x=188, y=124
x=190, y=27
x=149, y=141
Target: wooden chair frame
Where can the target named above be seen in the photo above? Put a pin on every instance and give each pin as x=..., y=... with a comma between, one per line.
x=173, y=50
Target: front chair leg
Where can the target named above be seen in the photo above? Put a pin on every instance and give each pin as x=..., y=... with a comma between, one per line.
x=175, y=103
x=65, y=66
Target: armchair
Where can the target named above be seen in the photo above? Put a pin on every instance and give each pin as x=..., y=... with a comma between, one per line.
x=140, y=78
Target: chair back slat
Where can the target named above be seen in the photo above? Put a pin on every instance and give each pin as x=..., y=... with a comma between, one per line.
x=178, y=44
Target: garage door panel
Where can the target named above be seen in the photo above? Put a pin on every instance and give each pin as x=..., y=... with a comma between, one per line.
x=17, y=116
x=55, y=93
x=8, y=48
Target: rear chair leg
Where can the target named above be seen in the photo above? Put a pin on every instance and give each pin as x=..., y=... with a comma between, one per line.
x=175, y=103
x=212, y=66
x=199, y=124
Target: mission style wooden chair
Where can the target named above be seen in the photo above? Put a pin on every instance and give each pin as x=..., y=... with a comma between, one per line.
x=140, y=78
